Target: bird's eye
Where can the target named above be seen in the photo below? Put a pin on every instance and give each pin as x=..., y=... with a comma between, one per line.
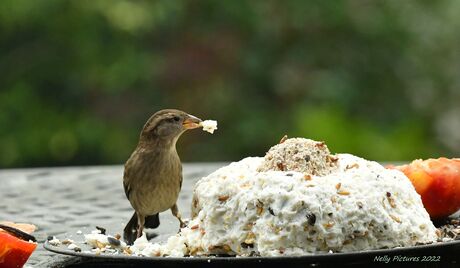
x=173, y=119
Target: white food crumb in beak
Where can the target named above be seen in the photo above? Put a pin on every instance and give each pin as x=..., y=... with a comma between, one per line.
x=209, y=125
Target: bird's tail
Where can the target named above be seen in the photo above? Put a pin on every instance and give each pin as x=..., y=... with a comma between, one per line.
x=152, y=221
x=130, y=231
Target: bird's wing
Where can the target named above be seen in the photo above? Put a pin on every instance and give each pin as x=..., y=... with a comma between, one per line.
x=129, y=172
x=127, y=188
x=179, y=167
x=126, y=181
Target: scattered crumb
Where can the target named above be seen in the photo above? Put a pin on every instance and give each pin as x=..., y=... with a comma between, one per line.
x=67, y=241
x=54, y=242
x=74, y=247
x=450, y=230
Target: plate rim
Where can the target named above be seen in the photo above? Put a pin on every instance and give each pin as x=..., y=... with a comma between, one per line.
x=311, y=257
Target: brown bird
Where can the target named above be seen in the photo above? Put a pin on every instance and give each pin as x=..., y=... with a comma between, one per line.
x=153, y=174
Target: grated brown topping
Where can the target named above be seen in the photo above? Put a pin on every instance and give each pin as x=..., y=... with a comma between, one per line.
x=302, y=155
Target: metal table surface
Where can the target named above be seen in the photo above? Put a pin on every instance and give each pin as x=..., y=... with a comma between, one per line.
x=65, y=199
x=60, y=201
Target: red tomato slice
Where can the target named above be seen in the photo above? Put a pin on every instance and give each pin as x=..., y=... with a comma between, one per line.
x=14, y=252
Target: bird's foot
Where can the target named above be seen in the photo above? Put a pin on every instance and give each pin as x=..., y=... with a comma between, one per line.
x=140, y=232
x=183, y=223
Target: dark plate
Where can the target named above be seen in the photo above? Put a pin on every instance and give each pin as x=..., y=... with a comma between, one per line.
x=437, y=255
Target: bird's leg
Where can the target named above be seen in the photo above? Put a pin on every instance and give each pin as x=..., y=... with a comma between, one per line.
x=176, y=213
x=141, y=222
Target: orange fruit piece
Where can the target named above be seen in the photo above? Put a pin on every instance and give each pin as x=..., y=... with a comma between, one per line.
x=438, y=183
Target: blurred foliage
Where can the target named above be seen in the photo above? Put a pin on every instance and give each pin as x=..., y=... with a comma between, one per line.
x=379, y=79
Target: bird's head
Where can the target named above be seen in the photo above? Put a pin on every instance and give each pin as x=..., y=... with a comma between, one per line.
x=167, y=126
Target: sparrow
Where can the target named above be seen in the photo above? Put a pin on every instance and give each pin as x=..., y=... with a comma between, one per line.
x=152, y=176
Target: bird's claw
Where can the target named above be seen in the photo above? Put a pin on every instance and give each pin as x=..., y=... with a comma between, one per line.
x=183, y=223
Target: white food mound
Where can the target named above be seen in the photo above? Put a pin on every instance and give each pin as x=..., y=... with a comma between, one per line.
x=360, y=206
x=209, y=125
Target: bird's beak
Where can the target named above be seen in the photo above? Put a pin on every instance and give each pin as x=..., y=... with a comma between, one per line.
x=192, y=122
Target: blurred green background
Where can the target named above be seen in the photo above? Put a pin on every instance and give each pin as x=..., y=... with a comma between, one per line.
x=78, y=79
